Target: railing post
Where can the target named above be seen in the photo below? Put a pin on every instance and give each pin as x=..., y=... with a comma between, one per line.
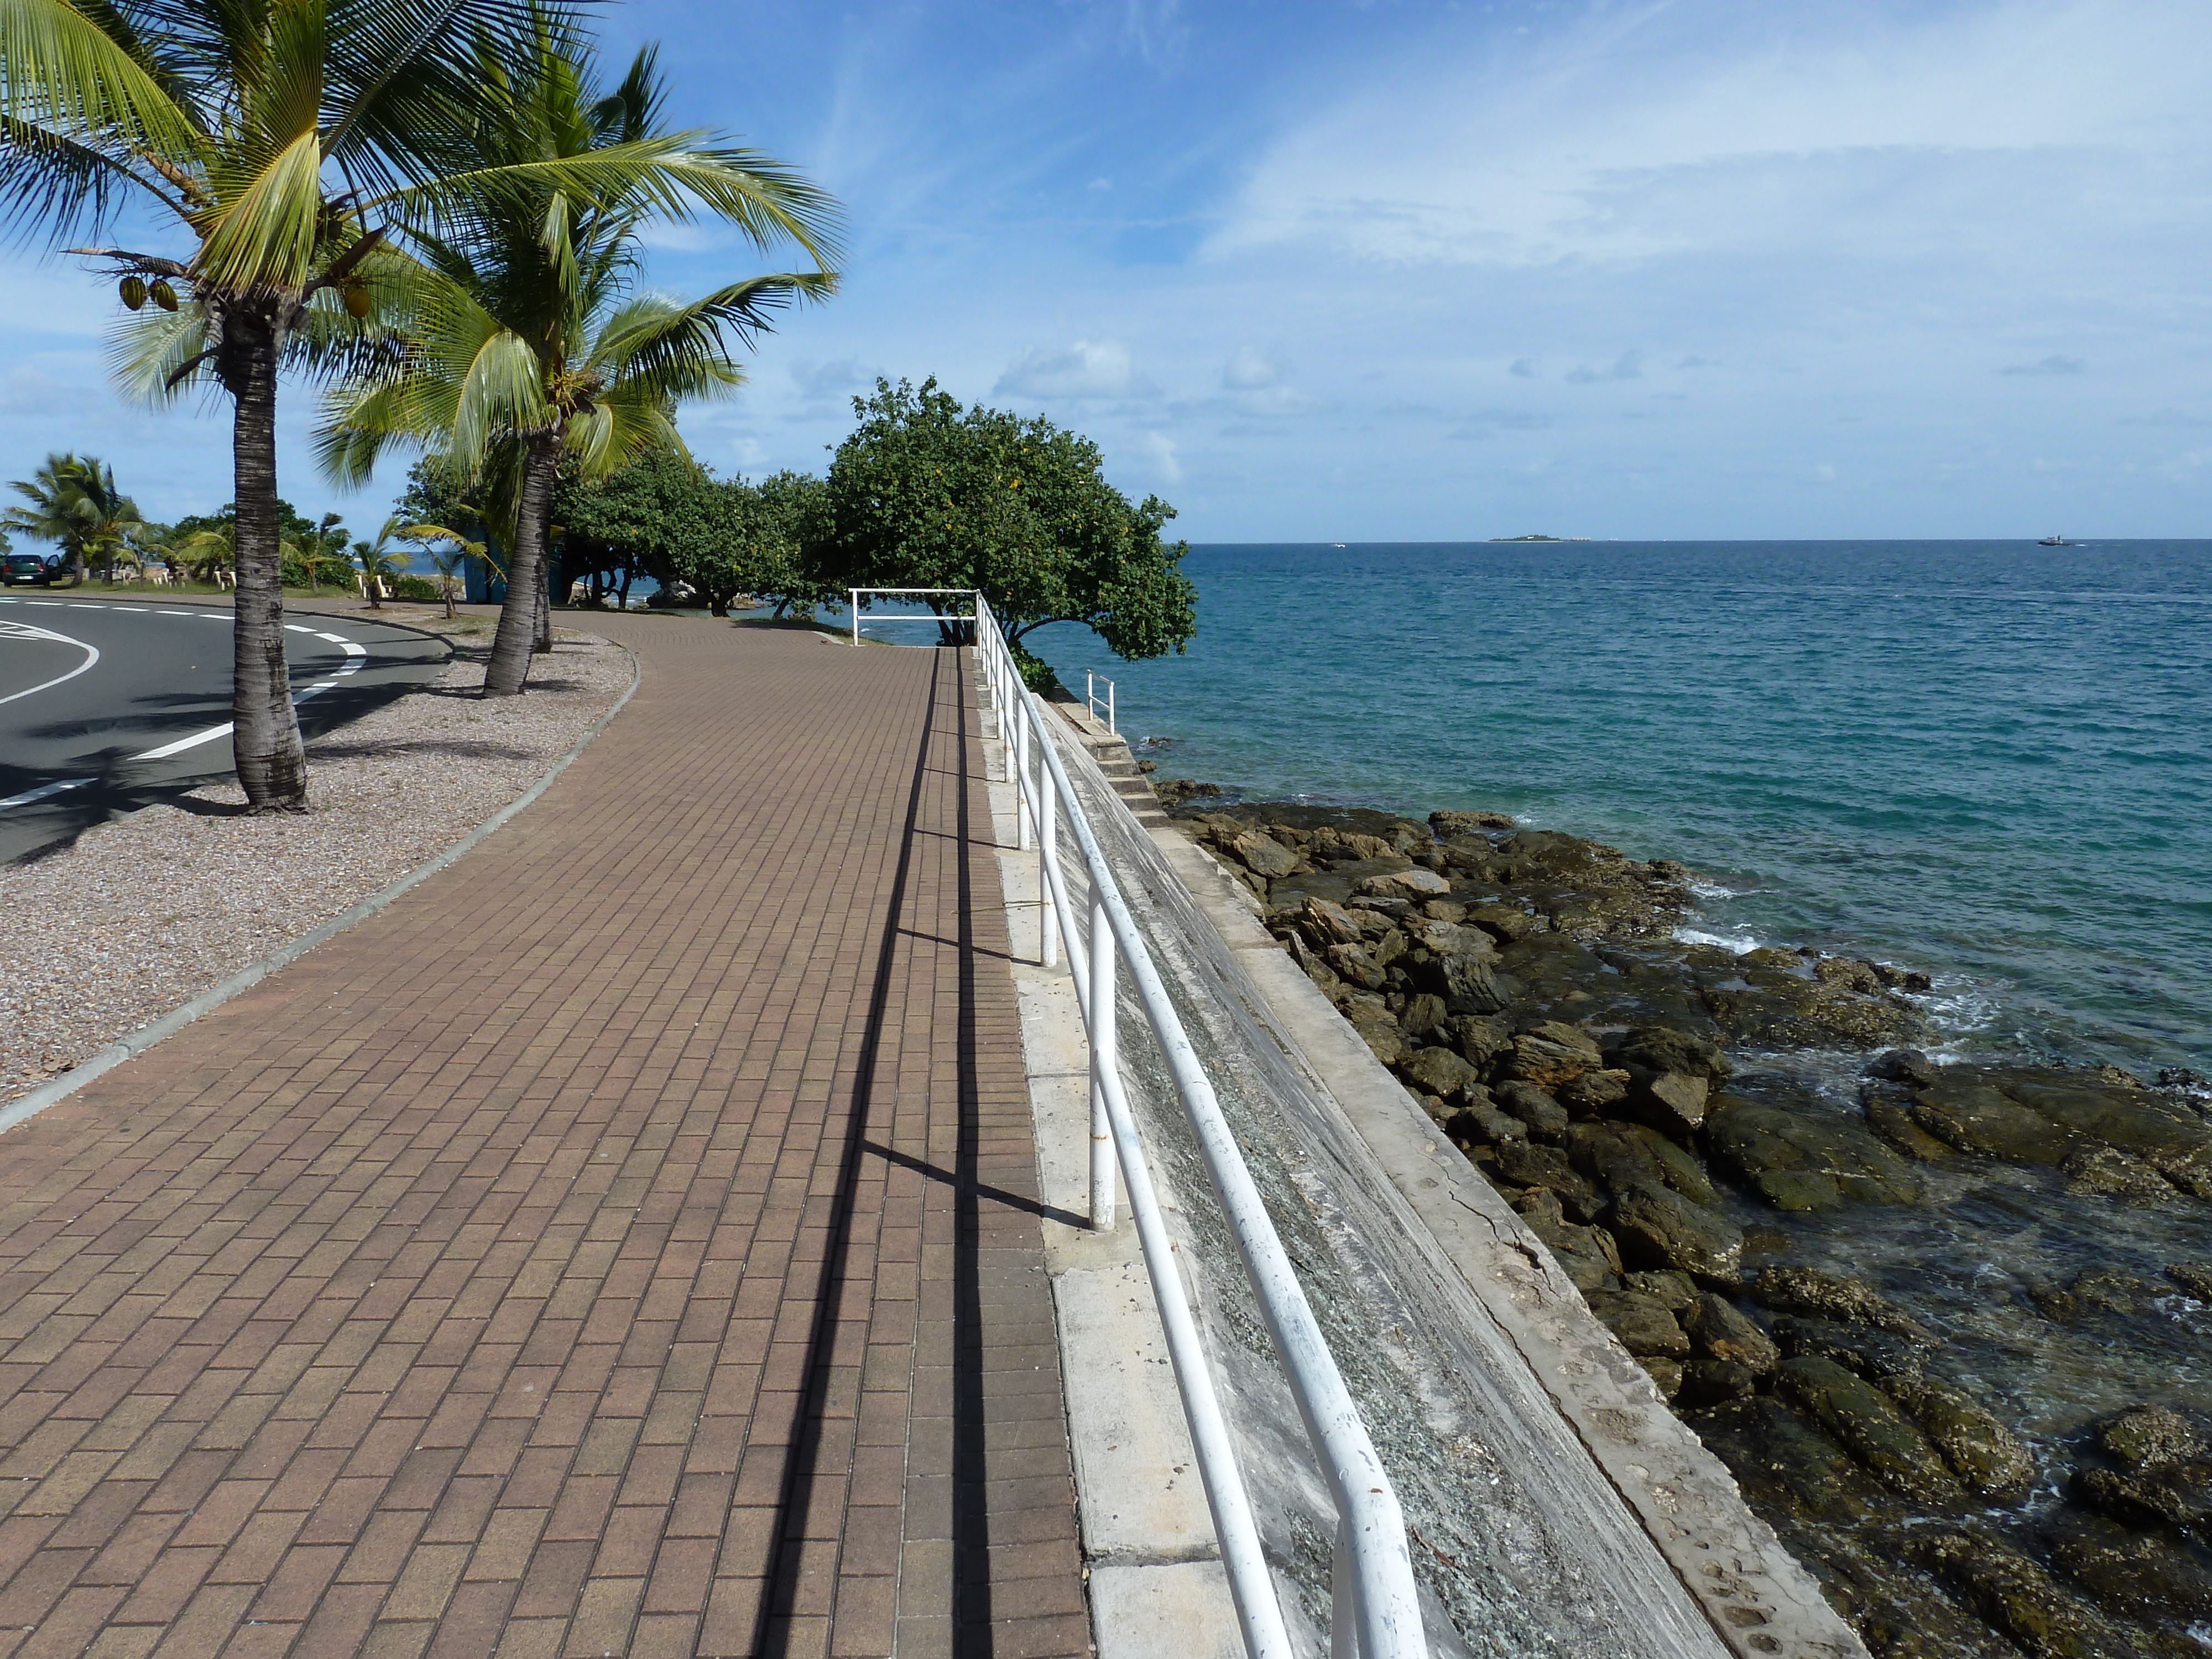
x=1024, y=790
x=1344, y=1595
x=1050, y=931
x=1110, y=727
x=854, y=594
x=1103, y=1060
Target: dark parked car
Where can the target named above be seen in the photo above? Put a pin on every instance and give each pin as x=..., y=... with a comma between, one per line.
x=30, y=570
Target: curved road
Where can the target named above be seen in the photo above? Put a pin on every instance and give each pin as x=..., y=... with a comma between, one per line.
x=106, y=706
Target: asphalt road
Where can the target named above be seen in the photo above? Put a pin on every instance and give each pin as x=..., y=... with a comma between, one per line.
x=106, y=706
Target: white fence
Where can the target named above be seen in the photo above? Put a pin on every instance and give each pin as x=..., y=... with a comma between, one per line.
x=1378, y=1613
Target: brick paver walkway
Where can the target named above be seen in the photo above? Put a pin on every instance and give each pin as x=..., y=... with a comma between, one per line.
x=627, y=1243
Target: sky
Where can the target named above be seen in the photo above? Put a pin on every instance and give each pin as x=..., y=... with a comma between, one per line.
x=1399, y=270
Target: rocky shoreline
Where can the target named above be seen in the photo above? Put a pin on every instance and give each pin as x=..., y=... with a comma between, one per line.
x=1709, y=1142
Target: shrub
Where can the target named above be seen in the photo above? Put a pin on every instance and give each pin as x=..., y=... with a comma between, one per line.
x=414, y=587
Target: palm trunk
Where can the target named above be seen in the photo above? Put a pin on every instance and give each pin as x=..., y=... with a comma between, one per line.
x=552, y=574
x=516, y=637
x=272, y=765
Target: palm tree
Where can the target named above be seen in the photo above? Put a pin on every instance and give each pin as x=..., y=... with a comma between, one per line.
x=527, y=344
x=74, y=502
x=379, y=559
x=448, y=560
x=291, y=144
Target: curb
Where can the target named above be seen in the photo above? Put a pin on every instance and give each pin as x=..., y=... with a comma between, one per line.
x=133, y=1043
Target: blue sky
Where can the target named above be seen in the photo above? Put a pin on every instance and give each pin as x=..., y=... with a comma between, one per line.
x=1406, y=270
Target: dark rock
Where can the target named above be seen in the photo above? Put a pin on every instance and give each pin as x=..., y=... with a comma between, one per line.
x=2094, y=1290
x=2179, y=1495
x=1708, y=1382
x=1439, y=1071
x=1506, y=924
x=1592, y=1093
x=1426, y=1016
x=1324, y=923
x=1660, y=1228
x=1610, y=1156
x=1482, y=1121
x=1666, y=1375
x=1677, y=1167
x=1778, y=1010
x=2019, y=1597
x=1480, y=1039
x=1546, y=1118
x=1677, y=1293
x=1553, y=1053
x=1967, y=1111
x=2194, y=1276
x=1586, y=1255
x=1980, y=1451
x=1643, y=1325
x=1353, y=963
x=2149, y=1438
x=1448, y=938
x=1892, y=1121
x=1800, y=1163
x=1851, y=974
x=1410, y=883
x=2109, y=1172
x=2136, y=1575
x=1379, y=1031
x=1903, y=1065
x=1263, y=855
x=1449, y=826
x=1831, y=1296
x=1872, y=1353
x=1870, y=1425
x=1673, y=1103
x=1467, y=984
x=1527, y=1165
x=1723, y=1332
x=1661, y=1049
x=2168, y=1137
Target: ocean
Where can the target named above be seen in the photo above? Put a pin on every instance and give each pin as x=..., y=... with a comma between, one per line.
x=1990, y=760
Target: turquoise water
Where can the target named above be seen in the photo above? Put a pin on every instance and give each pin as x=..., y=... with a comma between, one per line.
x=1990, y=760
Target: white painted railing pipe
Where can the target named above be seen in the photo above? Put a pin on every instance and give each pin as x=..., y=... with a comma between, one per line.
x=1377, y=1611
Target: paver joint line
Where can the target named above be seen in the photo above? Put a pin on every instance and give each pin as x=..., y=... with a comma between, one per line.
x=626, y=1241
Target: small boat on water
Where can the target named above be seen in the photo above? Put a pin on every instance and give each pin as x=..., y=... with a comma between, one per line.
x=2054, y=541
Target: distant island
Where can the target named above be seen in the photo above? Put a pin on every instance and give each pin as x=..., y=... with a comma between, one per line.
x=1540, y=538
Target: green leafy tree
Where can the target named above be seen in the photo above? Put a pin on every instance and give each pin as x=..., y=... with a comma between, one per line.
x=319, y=558
x=671, y=517
x=529, y=344
x=72, y=502
x=924, y=494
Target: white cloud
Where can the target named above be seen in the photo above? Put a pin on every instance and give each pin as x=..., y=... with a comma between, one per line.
x=1248, y=369
x=1653, y=130
x=1089, y=368
x=1162, y=449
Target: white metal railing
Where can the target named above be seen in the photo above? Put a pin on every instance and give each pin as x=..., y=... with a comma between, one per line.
x=1090, y=685
x=1377, y=1612
x=912, y=615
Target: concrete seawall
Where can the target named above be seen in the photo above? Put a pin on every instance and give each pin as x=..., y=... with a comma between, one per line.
x=1557, y=1506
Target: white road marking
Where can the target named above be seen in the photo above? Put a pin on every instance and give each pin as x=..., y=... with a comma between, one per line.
x=294, y=627
x=183, y=743
x=52, y=605
x=178, y=613
x=15, y=630
x=351, y=649
x=43, y=791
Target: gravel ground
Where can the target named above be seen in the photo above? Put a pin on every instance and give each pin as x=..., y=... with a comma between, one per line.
x=143, y=915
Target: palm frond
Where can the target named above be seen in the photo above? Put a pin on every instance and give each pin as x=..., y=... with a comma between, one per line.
x=266, y=237
x=149, y=355
x=63, y=75
x=686, y=349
